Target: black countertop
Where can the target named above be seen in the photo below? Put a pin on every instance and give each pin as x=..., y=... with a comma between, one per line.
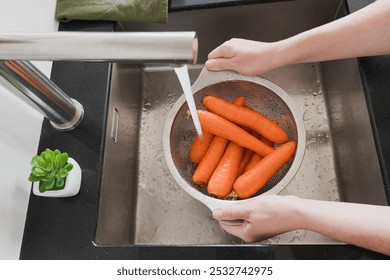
x=64, y=228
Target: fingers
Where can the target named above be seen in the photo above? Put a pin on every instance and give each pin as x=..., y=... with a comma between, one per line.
x=234, y=230
x=218, y=64
x=228, y=217
x=222, y=51
x=220, y=58
x=225, y=215
x=216, y=53
x=231, y=213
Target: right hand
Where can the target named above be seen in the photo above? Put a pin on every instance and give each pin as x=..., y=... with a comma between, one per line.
x=244, y=56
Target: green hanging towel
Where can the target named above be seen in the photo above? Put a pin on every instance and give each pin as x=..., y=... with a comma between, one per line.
x=113, y=10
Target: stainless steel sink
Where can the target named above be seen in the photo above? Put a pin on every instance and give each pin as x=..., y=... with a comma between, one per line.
x=140, y=203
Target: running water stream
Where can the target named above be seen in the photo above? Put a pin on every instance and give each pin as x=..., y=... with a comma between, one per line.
x=184, y=78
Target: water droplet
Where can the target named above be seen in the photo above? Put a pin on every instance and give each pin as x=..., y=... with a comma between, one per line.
x=307, y=115
x=147, y=105
x=319, y=109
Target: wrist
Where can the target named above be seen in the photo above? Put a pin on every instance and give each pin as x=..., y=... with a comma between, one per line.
x=293, y=212
x=286, y=52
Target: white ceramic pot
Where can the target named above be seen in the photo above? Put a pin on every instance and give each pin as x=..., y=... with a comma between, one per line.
x=72, y=183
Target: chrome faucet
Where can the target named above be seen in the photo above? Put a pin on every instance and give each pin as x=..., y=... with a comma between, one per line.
x=26, y=81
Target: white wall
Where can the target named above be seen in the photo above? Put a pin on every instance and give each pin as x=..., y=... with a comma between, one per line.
x=20, y=126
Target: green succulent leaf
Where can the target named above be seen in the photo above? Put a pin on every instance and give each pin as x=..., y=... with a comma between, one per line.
x=39, y=172
x=60, y=184
x=46, y=185
x=63, y=173
x=68, y=167
x=60, y=160
x=34, y=178
x=42, y=188
x=39, y=161
x=48, y=155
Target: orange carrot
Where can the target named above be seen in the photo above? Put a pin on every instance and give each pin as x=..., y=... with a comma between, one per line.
x=221, y=182
x=246, y=117
x=239, y=101
x=224, y=176
x=210, y=161
x=255, y=158
x=267, y=141
x=246, y=157
x=253, y=180
x=200, y=145
x=226, y=129
x=249, y=158
x=213, y=155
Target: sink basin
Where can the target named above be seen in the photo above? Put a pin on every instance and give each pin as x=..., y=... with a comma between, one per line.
x=140, y=202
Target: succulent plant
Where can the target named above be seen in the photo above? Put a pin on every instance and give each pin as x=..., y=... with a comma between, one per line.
x=50, y=169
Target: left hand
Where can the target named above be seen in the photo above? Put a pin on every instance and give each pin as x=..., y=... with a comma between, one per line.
x=264, y=217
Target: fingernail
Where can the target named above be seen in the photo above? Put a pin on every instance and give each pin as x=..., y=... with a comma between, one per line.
x=209, y=64
x=217, y=214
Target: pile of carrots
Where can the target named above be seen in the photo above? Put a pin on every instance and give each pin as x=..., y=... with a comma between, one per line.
x=236, y=154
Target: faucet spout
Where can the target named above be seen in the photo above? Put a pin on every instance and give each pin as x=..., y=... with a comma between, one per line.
x=180, y=47
x=41, y=93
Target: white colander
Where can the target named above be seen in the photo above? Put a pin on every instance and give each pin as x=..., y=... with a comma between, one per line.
x=262, y=96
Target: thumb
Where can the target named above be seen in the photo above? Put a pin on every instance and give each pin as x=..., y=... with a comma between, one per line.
x=218, y=64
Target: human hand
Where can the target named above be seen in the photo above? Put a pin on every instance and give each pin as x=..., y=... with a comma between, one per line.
x=244, y=56
x=264, y=217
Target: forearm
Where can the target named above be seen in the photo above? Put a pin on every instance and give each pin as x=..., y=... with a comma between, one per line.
x=363, y=33
x=366, y=226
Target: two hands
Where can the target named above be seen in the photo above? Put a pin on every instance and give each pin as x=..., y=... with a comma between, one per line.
x=362, y=33
x=268, y=215
x=262, y=217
